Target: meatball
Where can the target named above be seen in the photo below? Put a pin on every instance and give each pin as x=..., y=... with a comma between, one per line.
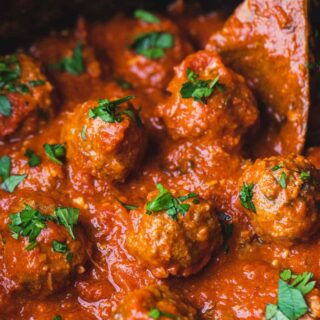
x=175, y=234
x=105, y=138
x=142, y=53
x=24, y=91
x=280, y=196
x=207, y=98
x=154, y=302
x=40, y=251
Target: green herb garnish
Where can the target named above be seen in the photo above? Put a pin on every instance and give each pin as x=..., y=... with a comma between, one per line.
x=283, y=180
x=27, y=223
x=69, y=257
x=126, y=205
x=9, y=182
x=197, y=89
x=277, y=167
x=60, y=247
x=34, y=159
x=123, y=83
x=83, y=133
x=291, y=291
x=152, y=45
x=57, y=317
x=36, y=83
x=305, y=175
x=155, y=313
x=165, y=201
x=74, y=64
x=108, y=111
x=246, y=194
x=146, y=16
x=55, y=152
x=5, y=106
x=67, y=217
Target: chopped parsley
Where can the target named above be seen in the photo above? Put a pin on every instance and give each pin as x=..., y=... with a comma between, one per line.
x=123, y=83
x=155, y=313
x=283, y=180
x=34, y=159
x=152, y=45
x=29, y=223
x=291, y=291
x=69, y=257
x=126, y=205
x=74, y=64
x=108, y=111
x=146, y=16
x=246, y=194
x=277, y=167
x=55, y=152
x=83, y=133
x=67, y=217
x=60, y=247
x=9, y=182
x=305, y=175
x=5, y=106
x=36, y=83
x=57, y=317
x=227, y=228
x=197, y=89
x=165, y=201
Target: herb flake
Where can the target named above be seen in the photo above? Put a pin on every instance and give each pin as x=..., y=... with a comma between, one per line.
x=246, y=195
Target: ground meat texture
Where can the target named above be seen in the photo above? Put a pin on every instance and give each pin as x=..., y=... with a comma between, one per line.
x=226, y=114
x=106, y=150
x=40, y=271
x=280, y=196
x=178, y=247
x=147, y=303
x=137, y=68
x=29, y=96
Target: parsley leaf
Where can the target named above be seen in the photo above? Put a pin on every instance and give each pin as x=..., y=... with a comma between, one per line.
x=67, y=217
x=57, y=317
x=165, y=201
x=12, y=182
x=246, y=194
x=36, y=83
x=83, y=133
x=126, y=205
x=5, y=106
x=108, y=111
x=123, y=83
x=146, y=16
x=55, y=152
x=156, y=314
x=305, y=175
x=74, y=64
x=34, y=159
x=27, y=223
x=60, y=247
x=197, y=89
x=5, y=167
x=277, y=167
x=291, y=302
x=9, y=182
x=283, y=180
x=152, y=45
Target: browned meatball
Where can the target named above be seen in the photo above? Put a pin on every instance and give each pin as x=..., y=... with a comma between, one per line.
x=39, y=253
x=208, y=98
x=175, y=234
x=154, y=302
x=130, y=50
x=280, y=196
x=25, y=94
x=105, y=138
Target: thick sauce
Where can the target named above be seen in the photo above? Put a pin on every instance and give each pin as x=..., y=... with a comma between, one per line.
x=184, y=143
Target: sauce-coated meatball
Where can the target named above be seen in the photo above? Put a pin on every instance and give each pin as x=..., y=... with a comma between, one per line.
x=175, y=234
x=208, y=98
x=154, y=302
x=39, y=254
x=25, y=94
x=280, y=196
x=105, y=138
x=129, y=50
